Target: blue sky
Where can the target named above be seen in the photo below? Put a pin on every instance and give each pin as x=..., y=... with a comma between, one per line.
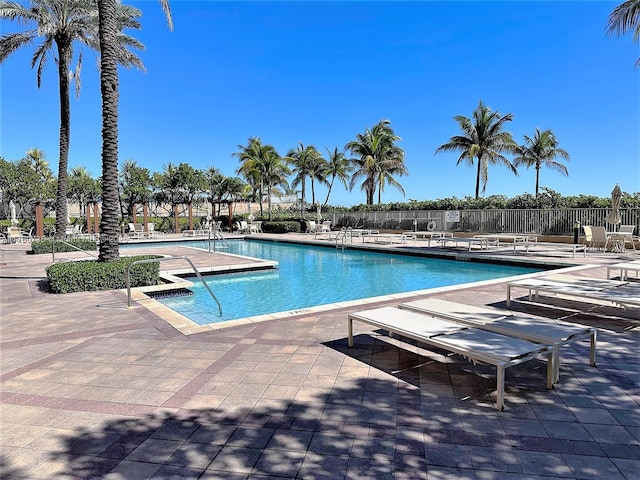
x=321, y=72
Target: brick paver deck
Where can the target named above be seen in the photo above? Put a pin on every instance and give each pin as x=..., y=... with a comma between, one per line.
x=93, y=389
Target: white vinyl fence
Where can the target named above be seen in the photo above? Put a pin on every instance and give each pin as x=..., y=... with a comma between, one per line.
x=554, y=221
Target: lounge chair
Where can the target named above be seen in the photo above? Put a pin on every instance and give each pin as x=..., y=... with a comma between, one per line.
x=617, y=293
x=625, y=235
x=312, y=227
x=242, y=227
x=480, y=241
x=532, y=329
x=255, y=227
x=625, y=268
x=136, y=230
x=478, y=346
x=595, y=237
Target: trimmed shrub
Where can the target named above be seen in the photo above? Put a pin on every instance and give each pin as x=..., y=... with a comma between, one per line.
x=281, y=227
x=44, y=246
x=91, y=275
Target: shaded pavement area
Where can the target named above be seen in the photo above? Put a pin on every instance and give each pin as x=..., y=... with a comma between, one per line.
x=92, y=389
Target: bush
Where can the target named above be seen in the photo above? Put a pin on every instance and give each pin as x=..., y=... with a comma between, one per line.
x=44, y=246
x=281, y=227
x=91, y=275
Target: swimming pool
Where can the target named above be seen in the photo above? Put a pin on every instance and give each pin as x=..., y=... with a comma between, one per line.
x=309, y=276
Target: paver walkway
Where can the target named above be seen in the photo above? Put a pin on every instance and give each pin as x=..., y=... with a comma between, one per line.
x=92, y=389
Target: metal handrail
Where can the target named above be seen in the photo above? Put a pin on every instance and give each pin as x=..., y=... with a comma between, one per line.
x=342, y=235
x=150, y=260
x=53, y=249
x=217, y=235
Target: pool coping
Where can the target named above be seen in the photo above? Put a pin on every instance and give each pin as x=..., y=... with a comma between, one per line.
x=187, y=326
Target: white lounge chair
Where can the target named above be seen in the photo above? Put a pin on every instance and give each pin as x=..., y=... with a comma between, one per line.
x=255, y=227
x=242, y=227
x=532, y=329
x=625, y=268
x=617, y=293
x=312, y=227
x=595, y=237
x=625, y=235
x=474, y=344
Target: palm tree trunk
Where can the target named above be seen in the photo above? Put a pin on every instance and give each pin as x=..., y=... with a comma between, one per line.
x=109, y=247
x=313, y=193
x=478, y=179
x=329, y=190
x=64, y=55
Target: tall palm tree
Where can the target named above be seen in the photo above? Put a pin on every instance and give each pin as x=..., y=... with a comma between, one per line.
x=82, y=187
x=274, y=170
x=249, y=157
x=483, y=138
x=302, y=159
x=539, y=151
x=60, y=24
x=307, y=162
x=108, y=33
x=625, y=18
x=38, y=159
x=338, y=167
x=378, y=158
x=261, y=165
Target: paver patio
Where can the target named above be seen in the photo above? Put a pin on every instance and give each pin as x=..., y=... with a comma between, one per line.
x=92, y=389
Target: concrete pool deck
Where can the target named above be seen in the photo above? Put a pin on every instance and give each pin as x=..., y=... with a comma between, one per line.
x=92, y=389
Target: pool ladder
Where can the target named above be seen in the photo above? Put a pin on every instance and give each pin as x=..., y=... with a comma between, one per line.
x=343, y=235
x=150, y=260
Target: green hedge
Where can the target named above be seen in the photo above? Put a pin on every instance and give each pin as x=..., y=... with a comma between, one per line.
x=281, y=227
x=91, y=275
x=44, y=246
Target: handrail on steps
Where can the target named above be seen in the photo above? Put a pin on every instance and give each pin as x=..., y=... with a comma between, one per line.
x=217, y=235
x=53, y=248
x=342, y=235
x=149, y=260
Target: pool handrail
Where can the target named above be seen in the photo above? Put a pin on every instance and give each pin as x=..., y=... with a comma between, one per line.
x=150, y=260
x=59, y=239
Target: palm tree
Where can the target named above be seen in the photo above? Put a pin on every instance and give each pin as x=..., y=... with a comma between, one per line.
x=301, y=158
x=307, y=162
x=60, y=24
x=483, y=138
x=38, y=159
x=82, y=187
x=625, y=18
x=338, y=167
x=261, y=165
x=108, y=38
x=377, y=160
x=249, y=157
x=539, y=151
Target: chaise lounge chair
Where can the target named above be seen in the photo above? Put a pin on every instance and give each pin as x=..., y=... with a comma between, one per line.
x=478, y=346
x=595, y=237
x=532, y=329
x=617, y=292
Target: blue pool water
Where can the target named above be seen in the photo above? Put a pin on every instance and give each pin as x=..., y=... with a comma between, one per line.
x=307, y=276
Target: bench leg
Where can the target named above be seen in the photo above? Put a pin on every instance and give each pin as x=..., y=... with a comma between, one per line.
x=350, y=331
x=553, y=367
x=500, y=387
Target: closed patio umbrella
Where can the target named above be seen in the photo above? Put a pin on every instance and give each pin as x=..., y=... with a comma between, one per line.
x=613, y=217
